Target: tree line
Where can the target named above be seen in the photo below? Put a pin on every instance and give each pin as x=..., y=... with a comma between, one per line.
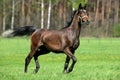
x=105, y=15
x=54, y=14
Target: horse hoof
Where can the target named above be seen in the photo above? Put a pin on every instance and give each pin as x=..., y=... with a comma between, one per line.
x=25, y=71
x=65, y=71
x=35, y=71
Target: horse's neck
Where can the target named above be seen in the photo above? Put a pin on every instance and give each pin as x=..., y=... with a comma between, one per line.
x=74, y=23
x=75, y=26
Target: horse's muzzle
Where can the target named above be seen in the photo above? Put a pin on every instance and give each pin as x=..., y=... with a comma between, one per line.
x=86, y=22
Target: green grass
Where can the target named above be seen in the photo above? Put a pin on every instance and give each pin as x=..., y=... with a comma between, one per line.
x=97, y=59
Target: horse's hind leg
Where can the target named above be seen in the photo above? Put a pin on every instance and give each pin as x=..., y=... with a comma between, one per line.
x=36, y=62
x=27, y=61
x=42, y=50
x=28, y=58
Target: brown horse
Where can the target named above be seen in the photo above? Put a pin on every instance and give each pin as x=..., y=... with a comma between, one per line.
x=65, y=40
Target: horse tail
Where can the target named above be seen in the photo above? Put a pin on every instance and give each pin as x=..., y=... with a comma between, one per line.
x=26, y=30
x=8, y=33
x=20, y=31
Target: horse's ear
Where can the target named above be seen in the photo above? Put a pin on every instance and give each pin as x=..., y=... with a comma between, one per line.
x=80, y=6
x=85, y=6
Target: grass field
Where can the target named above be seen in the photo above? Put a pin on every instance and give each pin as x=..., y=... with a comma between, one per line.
x=97, y=59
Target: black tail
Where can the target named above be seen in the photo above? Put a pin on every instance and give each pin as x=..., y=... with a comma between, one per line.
x=7, y=33
x=26, y=30
x=21, y=31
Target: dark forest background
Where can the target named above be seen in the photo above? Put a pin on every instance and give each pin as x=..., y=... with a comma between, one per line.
x=54, y=14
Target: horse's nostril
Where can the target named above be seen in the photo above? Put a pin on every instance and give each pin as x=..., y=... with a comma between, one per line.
x=88, y=21
x=83, y=21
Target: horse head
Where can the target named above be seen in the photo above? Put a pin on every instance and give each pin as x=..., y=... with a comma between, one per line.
x=82, y=13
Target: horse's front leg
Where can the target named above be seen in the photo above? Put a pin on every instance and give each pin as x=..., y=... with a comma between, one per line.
x=73, y=63
x=69, y=53
x=66, y=64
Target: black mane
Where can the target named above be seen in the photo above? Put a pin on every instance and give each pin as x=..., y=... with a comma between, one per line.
x=68, y=23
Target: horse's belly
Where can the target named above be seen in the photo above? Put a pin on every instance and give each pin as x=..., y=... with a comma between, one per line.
x=54, y=47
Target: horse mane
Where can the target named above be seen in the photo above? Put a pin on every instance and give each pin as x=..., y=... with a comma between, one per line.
x=69, y=23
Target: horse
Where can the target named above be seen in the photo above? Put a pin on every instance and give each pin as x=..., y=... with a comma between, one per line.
x=65, y=40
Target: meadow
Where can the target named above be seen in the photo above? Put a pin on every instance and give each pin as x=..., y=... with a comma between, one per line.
x=97, y=59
